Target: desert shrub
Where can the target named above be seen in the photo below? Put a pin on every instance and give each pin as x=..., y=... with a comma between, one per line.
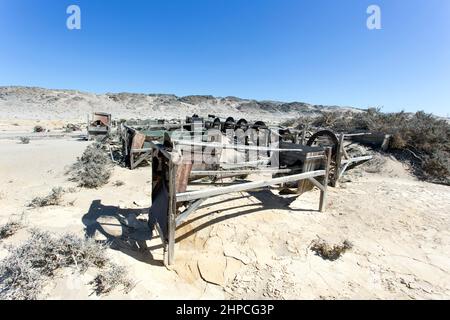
x=25, y=270
x=92, y=169
x=118, y=183
x=24, y=140
x=39, y=129
x=53, y=199
x=70, y=127
x=10, y=228
x=329, y=252
x=111, y=278
x=424, y=138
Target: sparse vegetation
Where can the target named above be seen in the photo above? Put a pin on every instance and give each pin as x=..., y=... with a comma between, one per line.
x=39, y=129
x=53, y=199
x=24, y=272
x=118, y=183
x=420, y=137
x=113, y=277
x=9, y=229
x=327, y=251
x=24, y=140
x=92, y=169
x=70, y=127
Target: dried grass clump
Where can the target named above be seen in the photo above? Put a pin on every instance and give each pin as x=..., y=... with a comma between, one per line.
x=53, y=199
x=9, y=229
x=24, y=140
x=113, y=277
x=327, y=251
x=93, y=168
x=24, y=272
x=118, y=183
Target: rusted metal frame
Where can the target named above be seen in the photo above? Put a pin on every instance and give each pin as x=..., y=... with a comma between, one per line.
x=199, y=196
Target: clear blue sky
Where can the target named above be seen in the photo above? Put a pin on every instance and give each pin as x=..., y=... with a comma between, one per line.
x=314, y=51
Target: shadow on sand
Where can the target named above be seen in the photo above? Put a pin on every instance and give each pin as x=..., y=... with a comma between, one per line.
x=123, y=229
x=128, y=232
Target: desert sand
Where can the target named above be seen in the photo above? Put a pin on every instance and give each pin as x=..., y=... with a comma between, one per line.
x=242, y=245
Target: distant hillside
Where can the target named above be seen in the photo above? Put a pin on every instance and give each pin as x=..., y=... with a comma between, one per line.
x=39, y=103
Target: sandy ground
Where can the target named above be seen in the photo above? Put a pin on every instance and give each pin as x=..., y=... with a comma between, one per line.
x=243, y=245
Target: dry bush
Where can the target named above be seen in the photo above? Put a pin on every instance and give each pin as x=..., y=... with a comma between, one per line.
x=24, y=272
x=113, y=277
x=9, y=229
x=421, y=137
x=39, y=129
x=93, y=168
x=118, y=183
x=327, y=251
x=375, y=165
x=70, y=127
x=53, y=199
x=24, y=140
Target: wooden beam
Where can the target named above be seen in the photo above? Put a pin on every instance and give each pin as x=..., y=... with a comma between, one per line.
x=193, y=195
x=185, y=214
x=238, y=172
x=171, y=224
x=255, y=163
x=357, y=159
x=140, y=159
x=324, y=191
x=357, y=134
x=232, y=146
x=339, y=155
x=316, y=183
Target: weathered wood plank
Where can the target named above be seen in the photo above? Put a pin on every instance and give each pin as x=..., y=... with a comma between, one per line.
x=193, y=195
x=324, y=191
x=185, y=214
x=171, y=213
x=232, y=146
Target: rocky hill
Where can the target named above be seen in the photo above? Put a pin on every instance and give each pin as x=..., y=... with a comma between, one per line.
x=39, y=103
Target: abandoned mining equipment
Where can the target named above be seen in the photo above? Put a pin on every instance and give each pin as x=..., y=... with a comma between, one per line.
x=99, y=126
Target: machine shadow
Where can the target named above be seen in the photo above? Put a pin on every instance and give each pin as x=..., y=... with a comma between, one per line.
x=126, y=233
x=267, y=201
x=122, y=229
